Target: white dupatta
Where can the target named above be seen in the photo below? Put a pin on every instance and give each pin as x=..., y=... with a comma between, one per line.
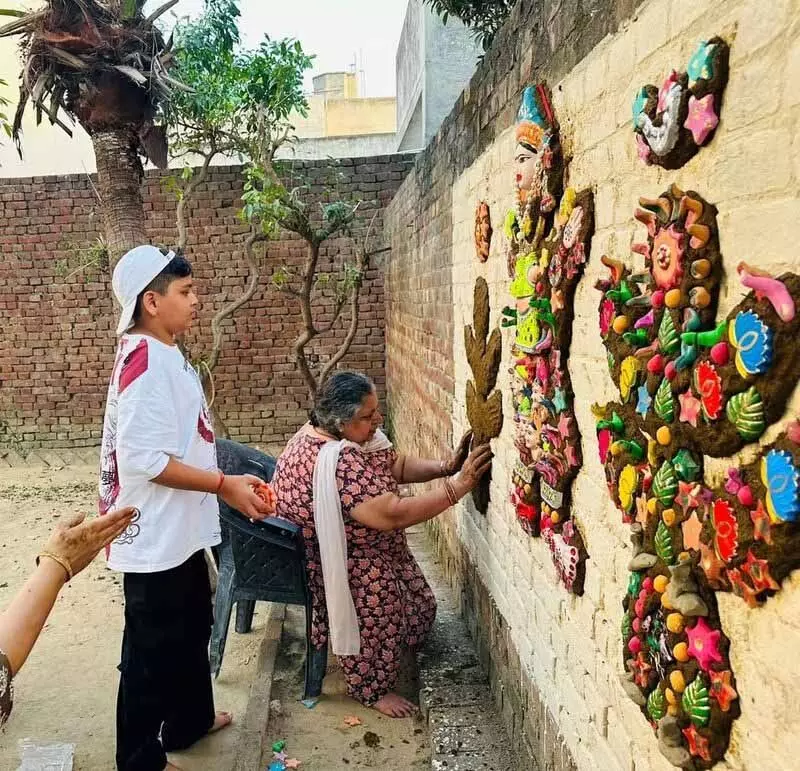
x=342, y=620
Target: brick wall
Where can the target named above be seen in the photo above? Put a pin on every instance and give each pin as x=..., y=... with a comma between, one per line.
x=57, y=319
x=554, y=659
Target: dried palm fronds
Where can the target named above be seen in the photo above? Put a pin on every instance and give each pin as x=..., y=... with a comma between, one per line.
x=102, y=63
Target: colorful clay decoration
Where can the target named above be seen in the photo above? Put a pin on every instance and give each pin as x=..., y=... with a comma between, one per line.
x=548, y=234
x=673, y=122
x=484, y=404
x=716, y=385
x=483, y=231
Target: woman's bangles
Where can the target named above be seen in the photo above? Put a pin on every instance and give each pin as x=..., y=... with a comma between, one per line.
x=449, y=488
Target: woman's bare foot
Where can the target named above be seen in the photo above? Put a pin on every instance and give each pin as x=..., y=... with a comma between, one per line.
x=393, y=705
x=221, y=720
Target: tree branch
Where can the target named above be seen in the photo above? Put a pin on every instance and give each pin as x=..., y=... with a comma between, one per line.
x=180, y=211
x=309, y=331
x=231, y=308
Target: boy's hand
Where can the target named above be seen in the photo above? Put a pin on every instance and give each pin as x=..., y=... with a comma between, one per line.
x=238, y=493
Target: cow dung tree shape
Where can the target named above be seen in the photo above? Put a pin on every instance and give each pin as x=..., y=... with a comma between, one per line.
x=484, y=404
x=548, y=235
x=691, y=387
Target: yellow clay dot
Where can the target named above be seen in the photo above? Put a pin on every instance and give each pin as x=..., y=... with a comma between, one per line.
x=527, y=489
x=660, y=584
x=672, y=710
x=620, y=324
x=665, y=603
x=555, y=517
x=673, y=298
x=545, y=509
x=677, y=681
x=668, y=515
x=671, y=697
x=651, y=505
x=683, y=556
x=664, y=435
x=681, y=652
x=675, y=623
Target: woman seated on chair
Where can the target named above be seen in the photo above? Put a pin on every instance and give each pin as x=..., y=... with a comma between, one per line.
x=338, y=479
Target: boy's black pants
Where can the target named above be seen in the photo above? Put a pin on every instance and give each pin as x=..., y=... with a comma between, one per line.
x=165, y=683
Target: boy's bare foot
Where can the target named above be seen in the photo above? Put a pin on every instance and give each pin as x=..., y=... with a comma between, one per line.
x=221, y=720
x=393, y=705
x=172, y=767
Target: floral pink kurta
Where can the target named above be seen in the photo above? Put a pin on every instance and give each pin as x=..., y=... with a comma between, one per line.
x=394, y=604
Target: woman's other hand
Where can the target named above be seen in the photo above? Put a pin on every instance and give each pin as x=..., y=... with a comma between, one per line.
x=478, y=462
x=79, y=541
x=459, y=457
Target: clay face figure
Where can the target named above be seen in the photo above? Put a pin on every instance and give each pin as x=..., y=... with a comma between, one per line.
x=548, y=234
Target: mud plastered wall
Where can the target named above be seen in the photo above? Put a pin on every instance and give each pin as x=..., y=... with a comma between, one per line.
x=566, y=650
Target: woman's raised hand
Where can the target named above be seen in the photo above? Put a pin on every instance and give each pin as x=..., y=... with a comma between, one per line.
x=478, y=462
x=78, y=540
x=457, y=459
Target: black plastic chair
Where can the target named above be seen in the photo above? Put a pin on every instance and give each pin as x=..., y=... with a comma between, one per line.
x=259, y=561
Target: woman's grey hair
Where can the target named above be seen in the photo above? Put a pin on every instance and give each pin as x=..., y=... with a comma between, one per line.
x=339, y=399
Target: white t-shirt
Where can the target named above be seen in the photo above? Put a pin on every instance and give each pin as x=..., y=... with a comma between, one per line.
x=155, y=411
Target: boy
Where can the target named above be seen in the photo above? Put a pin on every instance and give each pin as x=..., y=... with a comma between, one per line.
x=159, y=455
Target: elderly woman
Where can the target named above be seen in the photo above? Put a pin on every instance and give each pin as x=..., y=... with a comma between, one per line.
x=338, y=479
x=70, y=548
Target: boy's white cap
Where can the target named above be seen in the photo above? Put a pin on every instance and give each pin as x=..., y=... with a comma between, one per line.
x=133, y=273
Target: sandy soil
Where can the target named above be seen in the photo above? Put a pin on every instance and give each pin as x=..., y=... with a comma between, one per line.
x=319, y=737
x=67, y=690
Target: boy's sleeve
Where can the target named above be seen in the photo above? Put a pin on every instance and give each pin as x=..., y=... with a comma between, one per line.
x=147, y=422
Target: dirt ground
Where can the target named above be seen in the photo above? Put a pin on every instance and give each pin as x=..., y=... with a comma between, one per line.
x=67, y=690
x=319, y=737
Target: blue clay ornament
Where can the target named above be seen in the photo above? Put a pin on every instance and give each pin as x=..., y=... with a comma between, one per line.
x=752, y=339
x=701, y=65
x=639, y=102
x=644, y=402
x=782, y=480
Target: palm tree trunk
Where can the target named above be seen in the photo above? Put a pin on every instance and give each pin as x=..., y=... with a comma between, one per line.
x=119, y=178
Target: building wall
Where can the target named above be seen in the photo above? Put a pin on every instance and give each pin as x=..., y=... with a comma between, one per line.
x=348, y=117
x=321, y=148
x=554, y=658
x=57, y=319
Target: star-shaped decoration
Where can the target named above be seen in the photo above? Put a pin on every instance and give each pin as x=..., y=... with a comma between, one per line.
x=722, y=690
x=645, y=400
x=690, y=408
x=712, y=565
x=560, y=400
x=702, y=118
x=758, y=570
x=704, y=644
x=692, y=528
x=351, y=721
x=563, y=424
x=641, y=670
x=686, y=467
x=688, y=496
x=742, y=589
x=761, y=523
x=698, y=744
x=293, y=763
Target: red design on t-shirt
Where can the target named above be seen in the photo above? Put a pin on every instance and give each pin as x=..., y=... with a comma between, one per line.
x=134, y=366
x=203, y=426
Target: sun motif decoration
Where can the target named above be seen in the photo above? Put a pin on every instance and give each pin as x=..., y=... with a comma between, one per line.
x=691, y=386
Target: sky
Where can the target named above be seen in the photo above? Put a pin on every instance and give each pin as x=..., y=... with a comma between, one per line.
x=339, y=32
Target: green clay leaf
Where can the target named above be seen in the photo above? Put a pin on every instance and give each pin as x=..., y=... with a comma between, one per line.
x=663, y=541
x=664, y=403
x=746, y=412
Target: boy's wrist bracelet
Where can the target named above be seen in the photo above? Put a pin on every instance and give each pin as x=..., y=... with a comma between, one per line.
x=221, y=482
